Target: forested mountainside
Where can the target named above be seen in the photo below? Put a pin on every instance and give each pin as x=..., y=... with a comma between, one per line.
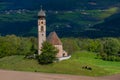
x=59, y=4
x=69, y=18
x=110, y=27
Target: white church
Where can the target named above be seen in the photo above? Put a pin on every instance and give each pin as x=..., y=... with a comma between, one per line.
x=52, y=38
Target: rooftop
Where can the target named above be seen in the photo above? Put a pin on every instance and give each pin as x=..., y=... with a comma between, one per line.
x=54, y=39
x=41, y=13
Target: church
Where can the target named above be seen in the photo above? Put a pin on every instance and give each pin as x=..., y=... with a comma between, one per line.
x=52, y=38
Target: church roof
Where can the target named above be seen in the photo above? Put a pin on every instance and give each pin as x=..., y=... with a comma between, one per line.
x=41, y=13
x=54, y=39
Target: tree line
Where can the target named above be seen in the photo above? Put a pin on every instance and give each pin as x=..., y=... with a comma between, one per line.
x=13, y=45
x=105, y=48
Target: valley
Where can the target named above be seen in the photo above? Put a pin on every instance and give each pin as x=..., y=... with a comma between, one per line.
x=81, y=18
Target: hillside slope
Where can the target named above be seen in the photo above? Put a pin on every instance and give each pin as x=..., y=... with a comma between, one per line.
x=76, y=19
x=110, y=27
x=78, y=59
x=60, y=4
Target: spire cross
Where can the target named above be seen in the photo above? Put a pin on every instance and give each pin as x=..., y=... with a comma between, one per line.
x=41, y=7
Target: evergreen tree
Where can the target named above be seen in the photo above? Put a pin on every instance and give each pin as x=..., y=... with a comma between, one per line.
x=48, y=54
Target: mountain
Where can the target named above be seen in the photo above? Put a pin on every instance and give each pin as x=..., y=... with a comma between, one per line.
x=69, y=18
x=59, y=4
x=110, y=27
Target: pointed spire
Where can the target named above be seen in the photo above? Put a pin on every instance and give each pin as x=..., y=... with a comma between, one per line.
x=41, y=12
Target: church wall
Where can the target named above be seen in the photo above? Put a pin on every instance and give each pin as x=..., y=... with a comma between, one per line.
x=61, y=52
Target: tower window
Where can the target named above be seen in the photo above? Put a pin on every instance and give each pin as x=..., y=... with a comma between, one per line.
x=42, y=28
x=42, y=34
x=42, y=22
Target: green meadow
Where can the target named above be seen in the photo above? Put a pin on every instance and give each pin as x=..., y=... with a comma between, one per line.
x=72, y=66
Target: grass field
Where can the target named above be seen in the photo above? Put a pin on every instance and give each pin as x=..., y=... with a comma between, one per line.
x=71, y=66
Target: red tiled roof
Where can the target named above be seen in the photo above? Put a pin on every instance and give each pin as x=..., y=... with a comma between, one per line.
x=54, y=39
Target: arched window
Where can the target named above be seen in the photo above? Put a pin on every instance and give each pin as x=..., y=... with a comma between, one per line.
x=41, y=22
x=63, y=54
x=42, y=28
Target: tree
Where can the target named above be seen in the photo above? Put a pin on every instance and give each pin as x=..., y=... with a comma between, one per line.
x=9, y=45
x=70, y=45
x=25, y=46
x=111, y=46
x=48, y=54
x=94, y=45
x=13, y=45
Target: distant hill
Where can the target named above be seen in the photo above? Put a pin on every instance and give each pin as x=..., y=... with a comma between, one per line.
x=69, y=18
x=110, y=27
x=60, y=4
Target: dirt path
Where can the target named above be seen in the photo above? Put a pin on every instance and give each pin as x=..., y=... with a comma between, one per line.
x=16, y=75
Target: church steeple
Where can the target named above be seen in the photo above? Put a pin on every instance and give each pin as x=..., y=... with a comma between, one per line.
x=41, y=13
x=41, y=29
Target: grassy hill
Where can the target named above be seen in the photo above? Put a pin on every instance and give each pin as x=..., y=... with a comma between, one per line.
x=71, y=66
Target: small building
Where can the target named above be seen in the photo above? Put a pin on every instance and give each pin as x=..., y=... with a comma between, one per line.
x=52, y=38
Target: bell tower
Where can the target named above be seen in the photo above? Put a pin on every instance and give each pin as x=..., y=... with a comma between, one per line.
x=41, y=29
